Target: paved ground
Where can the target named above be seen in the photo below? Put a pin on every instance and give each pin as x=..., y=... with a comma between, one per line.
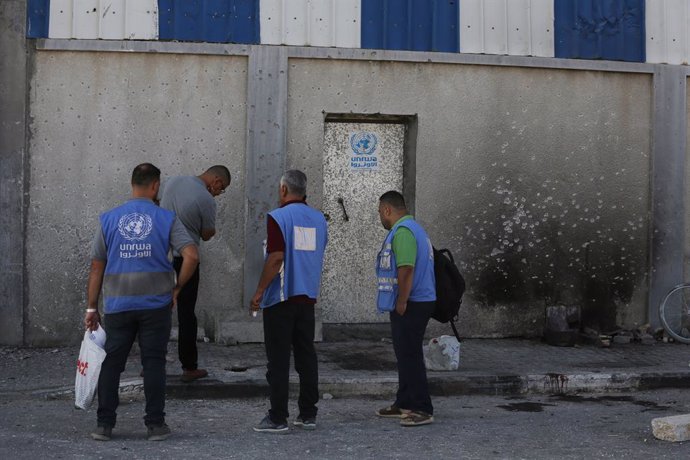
x=467, y=427
x=367, y=368
x=509, y=399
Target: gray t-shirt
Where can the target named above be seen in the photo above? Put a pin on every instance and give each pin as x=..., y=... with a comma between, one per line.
x=188, y=197
x=179, y=238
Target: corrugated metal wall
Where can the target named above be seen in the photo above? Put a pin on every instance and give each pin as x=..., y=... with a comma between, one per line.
x=214, y=21
x=311, y=23
x=417, y=25
x=107, y=19
x=624, y=30
x=37, y=16
x=600, y=29
x=668, y=31
x=516, y=27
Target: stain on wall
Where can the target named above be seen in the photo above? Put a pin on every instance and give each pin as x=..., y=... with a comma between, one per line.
x=536, y=179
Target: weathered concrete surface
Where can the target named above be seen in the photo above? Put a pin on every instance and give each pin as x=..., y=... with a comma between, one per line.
x=669, y=151
x=12, y=160
x=675, y=428
x=94, y=117
x=686, y=261
x=537, y=180
x=264, y=164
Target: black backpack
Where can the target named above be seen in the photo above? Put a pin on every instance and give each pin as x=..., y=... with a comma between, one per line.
x=450, y=286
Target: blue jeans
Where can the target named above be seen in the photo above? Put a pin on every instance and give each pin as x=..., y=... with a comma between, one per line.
x=153, y=329
x=408, y=338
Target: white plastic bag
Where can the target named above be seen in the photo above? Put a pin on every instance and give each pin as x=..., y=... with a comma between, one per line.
x=91, y=356
x=442, y=354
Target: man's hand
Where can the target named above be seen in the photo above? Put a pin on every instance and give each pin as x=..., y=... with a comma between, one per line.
x=255, y=304
x=92, y=320
x=272, y=266
x=176, y=292
x=405, y=276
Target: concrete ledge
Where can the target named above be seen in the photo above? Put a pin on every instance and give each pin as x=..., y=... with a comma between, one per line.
x=249, y=381
x=655, y=380
x=315, y=52
x=384, y=385
x=675, y=428
x=129, y=387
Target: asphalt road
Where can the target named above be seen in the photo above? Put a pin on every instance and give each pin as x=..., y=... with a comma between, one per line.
x=468, y=427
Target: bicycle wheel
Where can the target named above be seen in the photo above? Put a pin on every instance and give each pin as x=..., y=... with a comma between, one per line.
x=674, y=313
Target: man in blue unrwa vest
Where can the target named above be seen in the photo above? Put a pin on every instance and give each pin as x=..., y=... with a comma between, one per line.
x=286, y=293
x=407, y=290
x=131, y=260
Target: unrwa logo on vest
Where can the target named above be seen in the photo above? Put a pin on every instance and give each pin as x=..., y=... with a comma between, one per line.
x=135, y=226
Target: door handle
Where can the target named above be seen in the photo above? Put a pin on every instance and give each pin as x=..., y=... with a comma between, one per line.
x=341, y=202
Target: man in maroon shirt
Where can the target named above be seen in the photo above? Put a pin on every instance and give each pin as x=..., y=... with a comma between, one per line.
x=287, y=292
x=276, y=243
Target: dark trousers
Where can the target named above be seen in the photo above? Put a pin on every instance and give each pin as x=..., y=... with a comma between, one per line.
x=153, y=329
x=288, y=326
x=186, y=319
x=408, y=337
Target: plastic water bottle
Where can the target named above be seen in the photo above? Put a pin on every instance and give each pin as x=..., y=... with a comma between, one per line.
x=98, y=336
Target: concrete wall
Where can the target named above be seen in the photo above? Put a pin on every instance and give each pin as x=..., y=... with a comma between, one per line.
x=12, y=164
x=536, y=173
x=686, y=258
x=544, y=176
x=94, y=116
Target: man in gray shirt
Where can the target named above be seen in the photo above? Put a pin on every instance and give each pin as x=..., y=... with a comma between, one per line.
x=192, y=200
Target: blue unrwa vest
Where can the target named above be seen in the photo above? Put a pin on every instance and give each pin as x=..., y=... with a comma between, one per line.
x=138, y=273
x=423, y=281
x=305, y=233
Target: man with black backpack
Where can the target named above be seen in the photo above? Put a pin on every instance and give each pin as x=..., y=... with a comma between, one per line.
x=407, y=290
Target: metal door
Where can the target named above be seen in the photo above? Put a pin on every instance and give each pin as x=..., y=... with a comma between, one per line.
x=361, y=162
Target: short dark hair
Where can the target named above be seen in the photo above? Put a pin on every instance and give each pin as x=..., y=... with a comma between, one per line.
x=394, y=199
x=220, y=171
x=145, y=174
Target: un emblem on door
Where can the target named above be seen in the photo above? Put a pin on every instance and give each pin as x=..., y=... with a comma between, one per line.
x=363, y=143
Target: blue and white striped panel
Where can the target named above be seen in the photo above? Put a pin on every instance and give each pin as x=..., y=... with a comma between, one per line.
x=224, y=21
x=655, y=31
